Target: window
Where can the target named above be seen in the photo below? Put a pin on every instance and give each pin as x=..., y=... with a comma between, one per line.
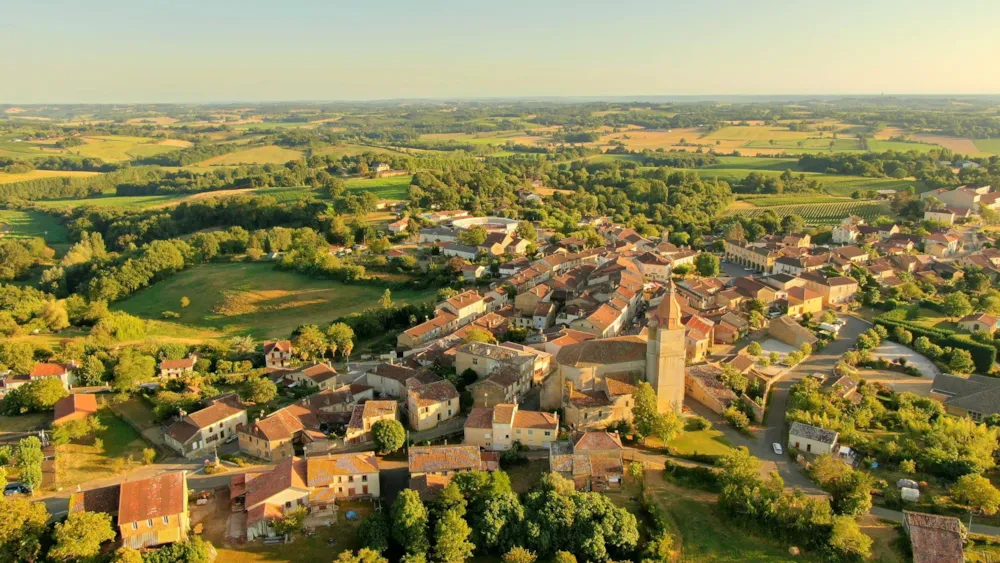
x=135, y=525
x=166, y=519
x=149, y=523
x=547, y=433
x=439, y=416
x=530, y=432
x=350, y=479
x=288, y=504
x=364, y=478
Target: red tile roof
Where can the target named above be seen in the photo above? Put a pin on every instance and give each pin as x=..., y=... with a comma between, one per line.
x=75, y=406
x=48, y=370
x=163, y=495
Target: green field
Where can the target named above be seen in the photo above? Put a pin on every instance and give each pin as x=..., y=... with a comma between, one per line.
x=988, y=145
x=288, y=194
x=129, y=202
x=819, y=213
x=6, y=178
x=269, y=154
x=113, y=149
x=846, y=185
x=255, y=299
x=811, y=145
x=877, y=145
x=393, y=187
x=753, y=164
x=28, y=224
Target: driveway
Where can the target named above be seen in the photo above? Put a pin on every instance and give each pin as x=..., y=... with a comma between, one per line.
x=892, y=350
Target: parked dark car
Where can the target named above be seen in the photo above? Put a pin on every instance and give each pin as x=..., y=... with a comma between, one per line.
x=16, y=488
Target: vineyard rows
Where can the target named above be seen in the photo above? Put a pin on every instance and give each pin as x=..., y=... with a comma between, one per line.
x=819, y=213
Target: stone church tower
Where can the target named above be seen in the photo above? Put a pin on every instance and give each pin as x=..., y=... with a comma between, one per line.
x=665, y=353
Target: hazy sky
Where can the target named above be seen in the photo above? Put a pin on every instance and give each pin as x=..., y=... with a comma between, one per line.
x=213, y=50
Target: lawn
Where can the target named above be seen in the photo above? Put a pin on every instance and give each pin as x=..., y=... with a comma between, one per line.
x=707, y=442
x=255, y=299
x=934, y=319
x=28, y=224
x=392, y=187
x=268, y=154
x=6, y=178
x=25, y=422
x=81, y=461
x=705, y=536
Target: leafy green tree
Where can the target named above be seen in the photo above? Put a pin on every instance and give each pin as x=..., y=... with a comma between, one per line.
x=564, y=557
x=847, y=540
x=92, y=371
x=19, y=357
x=259, y=390
x=476, y=334
x=35, y=396
x=364, y=555
x=310, y=342
x=127, y=554
x=902, y=335
x=791, y=224
x=648, y=420
x=852, y=493
x=707, y=265
x=956, y=305
x=475, y=236
x=22, y=524
x=133, y=369
x=961, y=362
x=978, y=493
x=451, y=537
x=385, y=301
x=518, y=555
x=29, y=461
x=374, y=532
x=755, y=349
x=409, y=522
x=340, y=336
x=76, y=429
x=80, y=536
x=388, y=435
x=291, y=522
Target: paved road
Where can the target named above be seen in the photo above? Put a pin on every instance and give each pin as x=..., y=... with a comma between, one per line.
x=774, y=431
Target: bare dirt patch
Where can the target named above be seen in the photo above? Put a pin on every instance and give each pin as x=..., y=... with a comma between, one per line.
x=175, y=143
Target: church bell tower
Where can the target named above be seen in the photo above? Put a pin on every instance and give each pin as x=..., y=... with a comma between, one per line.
x=665, y=353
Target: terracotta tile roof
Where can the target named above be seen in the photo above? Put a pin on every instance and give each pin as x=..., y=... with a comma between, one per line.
x=289, y=473
x=606, y=466
x=163, y=495
x=429, y=487
x=504, y=413
x=464, y=299
x=395, y=372
x=48, y=370
x=319, y=372
x=321, y=470
x=79, y=405
x=218, y=411
x=441, y=318
x=481, y=418
x=433, y=393
x=429, y=459
x=103, y=499
x=935, y=539
x=597, y=441
x=280, y=346
x=604, y=316
x=619, y=384
x=802, y=294
x=603, y=351
x=182, y=431
x=183, y=363
x=589, y=399
x=536, y=420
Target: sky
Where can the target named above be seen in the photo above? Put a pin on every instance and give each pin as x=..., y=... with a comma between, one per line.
x=111, y=51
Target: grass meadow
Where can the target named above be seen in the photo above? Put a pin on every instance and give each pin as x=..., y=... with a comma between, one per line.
x=988, y=145
x=255, y=299
x=392, y=187
x=6, y=178
x=268, y=154
x=29, y=224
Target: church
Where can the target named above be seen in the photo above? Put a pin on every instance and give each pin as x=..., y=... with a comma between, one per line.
x=595, y=380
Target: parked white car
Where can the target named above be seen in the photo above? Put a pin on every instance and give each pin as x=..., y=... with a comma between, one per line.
x=777, y=448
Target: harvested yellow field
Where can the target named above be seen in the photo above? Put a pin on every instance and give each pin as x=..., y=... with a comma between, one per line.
x=176, y=143
x=642, y=139
x=36, y=174
x=756, y=133
x=889, y=132
x=269, y=154
x=961, y=145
